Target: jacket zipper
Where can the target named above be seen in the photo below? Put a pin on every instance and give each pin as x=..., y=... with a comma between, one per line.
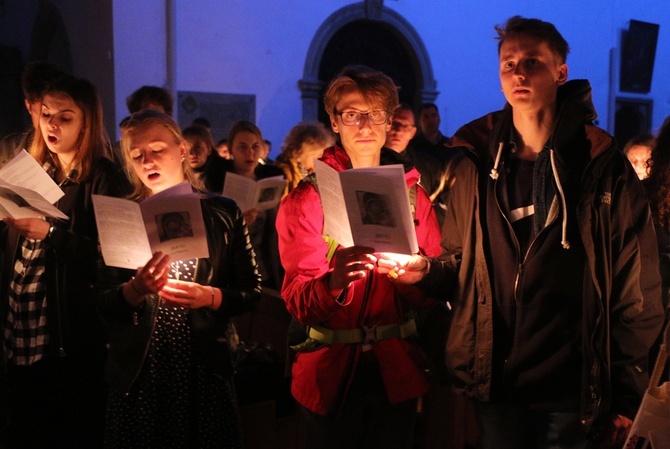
x=349, y=370
x=61, y=348
x=520, y=263
x=594, y=396
x=154, y=311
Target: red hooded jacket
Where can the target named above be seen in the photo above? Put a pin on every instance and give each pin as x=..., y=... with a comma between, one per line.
x=321, y=377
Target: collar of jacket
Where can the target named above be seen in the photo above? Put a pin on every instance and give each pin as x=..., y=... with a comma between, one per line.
x=575, y=114
x=338, y=158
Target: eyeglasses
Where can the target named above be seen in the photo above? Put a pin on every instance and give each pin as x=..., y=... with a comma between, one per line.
x=353, y=118
x=397, y=126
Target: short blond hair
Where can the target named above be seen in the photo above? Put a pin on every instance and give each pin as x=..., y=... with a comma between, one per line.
x=375, y=87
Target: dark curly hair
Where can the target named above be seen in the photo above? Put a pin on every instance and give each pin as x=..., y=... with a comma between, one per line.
x=658, y=183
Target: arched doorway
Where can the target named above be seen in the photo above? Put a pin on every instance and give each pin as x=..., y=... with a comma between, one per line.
x=374, y=44
x=369, y=34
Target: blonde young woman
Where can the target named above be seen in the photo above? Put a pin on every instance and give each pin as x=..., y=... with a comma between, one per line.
x=169, y=365
x=54, y=346
x=304, y=143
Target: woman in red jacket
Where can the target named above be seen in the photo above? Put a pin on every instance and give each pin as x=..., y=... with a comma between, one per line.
x=364, y=391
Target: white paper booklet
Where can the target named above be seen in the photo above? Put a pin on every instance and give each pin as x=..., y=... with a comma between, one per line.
x=367, y=207
x=170, y=221
x=249, y=194
x=26, y=190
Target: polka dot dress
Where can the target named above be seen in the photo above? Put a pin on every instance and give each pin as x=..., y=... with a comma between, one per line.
x=175, y=401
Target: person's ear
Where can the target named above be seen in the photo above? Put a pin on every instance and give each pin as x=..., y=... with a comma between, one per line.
x=333, y=123
x=182, y=149
x=562, y=74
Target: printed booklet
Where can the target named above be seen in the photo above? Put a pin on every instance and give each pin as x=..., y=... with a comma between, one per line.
x=367, y=207
x=26, y=190
x=249, y=194
x=170, y=221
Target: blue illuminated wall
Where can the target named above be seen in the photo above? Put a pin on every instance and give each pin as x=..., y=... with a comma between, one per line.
x=260, y=48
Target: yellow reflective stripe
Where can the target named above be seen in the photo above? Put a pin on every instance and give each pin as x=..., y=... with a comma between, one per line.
x=332, y=246
x=356, y=336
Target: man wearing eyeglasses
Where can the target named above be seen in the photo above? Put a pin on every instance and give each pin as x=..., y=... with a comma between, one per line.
x=359, y=381
x=398, y=139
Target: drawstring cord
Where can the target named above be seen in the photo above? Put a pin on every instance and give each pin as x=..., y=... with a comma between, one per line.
x=494, y=171
x=564, y=226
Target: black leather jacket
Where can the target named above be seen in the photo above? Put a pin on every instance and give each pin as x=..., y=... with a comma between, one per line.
x=231, y=266
x=71, y=249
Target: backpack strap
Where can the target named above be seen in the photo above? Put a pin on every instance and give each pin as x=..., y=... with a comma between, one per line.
x=412, y=201
x=313, y=337
x=332, y=246
x=331, y=242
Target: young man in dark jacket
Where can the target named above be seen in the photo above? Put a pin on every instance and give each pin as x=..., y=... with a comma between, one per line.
x=403, y=129
x=549, y=261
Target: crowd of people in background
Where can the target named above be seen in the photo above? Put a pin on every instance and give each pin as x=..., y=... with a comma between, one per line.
x=98, y=356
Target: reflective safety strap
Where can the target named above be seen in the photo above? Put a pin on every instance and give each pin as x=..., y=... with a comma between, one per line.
x=332, y=246
x=363, y=335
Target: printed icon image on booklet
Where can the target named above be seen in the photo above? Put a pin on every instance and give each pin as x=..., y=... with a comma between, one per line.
x=367, y=207
x=170, y=221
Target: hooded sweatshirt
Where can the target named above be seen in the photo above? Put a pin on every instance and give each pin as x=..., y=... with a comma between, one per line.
x=537, y=281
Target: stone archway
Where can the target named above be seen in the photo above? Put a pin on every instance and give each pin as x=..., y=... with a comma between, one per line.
x=371, y=11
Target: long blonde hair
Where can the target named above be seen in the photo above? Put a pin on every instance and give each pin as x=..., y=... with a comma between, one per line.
x=302, y=134
x=93, y=141
x=141, y=120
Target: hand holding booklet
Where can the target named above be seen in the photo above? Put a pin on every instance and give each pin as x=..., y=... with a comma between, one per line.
x=27, y=191
x=249, y=194
x=170, y=221
x=367, y=207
